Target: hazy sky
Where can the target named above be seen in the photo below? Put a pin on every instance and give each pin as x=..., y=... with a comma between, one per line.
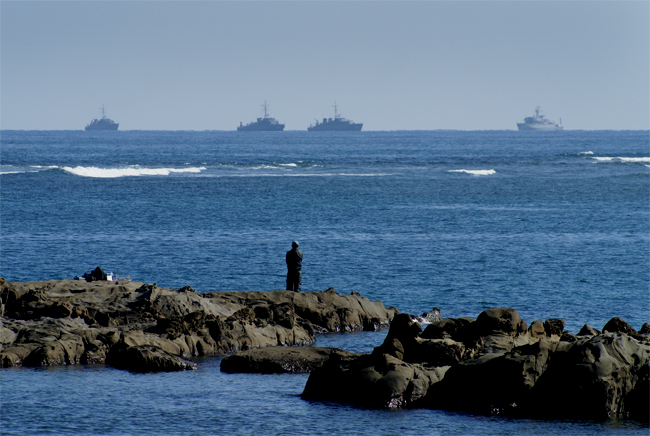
x=391, y=65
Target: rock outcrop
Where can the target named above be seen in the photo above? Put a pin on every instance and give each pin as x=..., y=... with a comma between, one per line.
x=497, y=365
x=277, y=360
x=373, y=380
x=142, y=327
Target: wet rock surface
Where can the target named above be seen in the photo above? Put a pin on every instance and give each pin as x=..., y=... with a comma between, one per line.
x=142, y=327
x=496, y=365
x=276, y=360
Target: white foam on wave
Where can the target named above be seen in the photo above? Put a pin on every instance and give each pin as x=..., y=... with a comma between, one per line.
x=586, y=152
x=623, y=159
x=127, y=171
x=307, y=175
x=273, y=166
x=10, y=169
x=260, y=167
x=474, y=172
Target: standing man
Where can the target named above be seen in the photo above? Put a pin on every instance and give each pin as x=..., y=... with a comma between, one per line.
x=294, y=268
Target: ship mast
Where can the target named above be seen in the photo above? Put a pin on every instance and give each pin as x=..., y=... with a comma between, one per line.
x=335, y=114
x=264, y=106
x=103, y=113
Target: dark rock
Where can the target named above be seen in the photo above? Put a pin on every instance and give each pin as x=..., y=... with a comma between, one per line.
x=57, y=310
x=94, y=351
x=82, y=312
x=562, y=376
x=537, y=330
x=402, y=334
x=500, y=319
x=522, y=328
x=554, y=327
x=497, y=344
x=65, y=351
x=596, y=377
x=375, y=381
x=617, y=325
x=51, y=342
x=171, y=328
x=587, y=330
x=7, y=337
x=96, y=317
x=429, y=317
x=599, y=377
x=263, y=312
x=491, y=384
x=458, y=329
x=96, y=275
x=284, y=315
x=568, y=337
x=404, y=342
x=104, y=319
x=146, y=358
x=273, y=360
x=332, y=312
x=637, y=402
x=645, y=329
x=435, y=352
x=15, y=355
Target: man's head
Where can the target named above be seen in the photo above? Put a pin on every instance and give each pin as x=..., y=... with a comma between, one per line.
x=294, y=244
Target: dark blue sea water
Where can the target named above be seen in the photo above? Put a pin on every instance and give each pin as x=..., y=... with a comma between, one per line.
x=553, y=224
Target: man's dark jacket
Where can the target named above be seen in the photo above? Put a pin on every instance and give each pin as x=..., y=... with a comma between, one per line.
x=294, y=259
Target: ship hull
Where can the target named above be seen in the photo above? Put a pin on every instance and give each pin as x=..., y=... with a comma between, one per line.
x=539, y=127
x=258, y=128
x=327, y=127
x=106, y=127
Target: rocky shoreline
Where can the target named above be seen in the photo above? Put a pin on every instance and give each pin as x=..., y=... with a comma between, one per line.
x=495, y=364
x=144, y=328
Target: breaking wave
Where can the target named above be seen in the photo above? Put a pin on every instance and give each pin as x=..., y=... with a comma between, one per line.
x=623, y=159
x=10, y=169
x=474, y=172
x=302, y=174
x=127, y=171
x=276, y=166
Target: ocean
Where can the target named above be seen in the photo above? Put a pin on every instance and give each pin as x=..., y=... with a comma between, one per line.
x=552, y=224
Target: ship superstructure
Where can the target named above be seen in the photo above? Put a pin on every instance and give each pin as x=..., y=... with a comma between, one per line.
x=266, y=124
x=539, y=122
x=103, y=123
x=336, y=124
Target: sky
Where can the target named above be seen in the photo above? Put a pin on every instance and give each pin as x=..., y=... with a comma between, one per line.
x=392, y=65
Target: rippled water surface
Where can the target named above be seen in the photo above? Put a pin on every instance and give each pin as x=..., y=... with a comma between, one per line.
x=553, y=224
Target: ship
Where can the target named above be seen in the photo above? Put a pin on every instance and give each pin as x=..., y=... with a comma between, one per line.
x=103, y=123
x=266, y=124
x=336, y=124
x=539, y=122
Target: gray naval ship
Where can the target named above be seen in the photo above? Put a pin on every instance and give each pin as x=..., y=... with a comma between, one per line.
x=538, y=122
x=103, y=123
x=266, y=124
x=338, y=124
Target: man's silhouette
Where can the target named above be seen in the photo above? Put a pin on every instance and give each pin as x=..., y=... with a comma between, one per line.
x=294, y=268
